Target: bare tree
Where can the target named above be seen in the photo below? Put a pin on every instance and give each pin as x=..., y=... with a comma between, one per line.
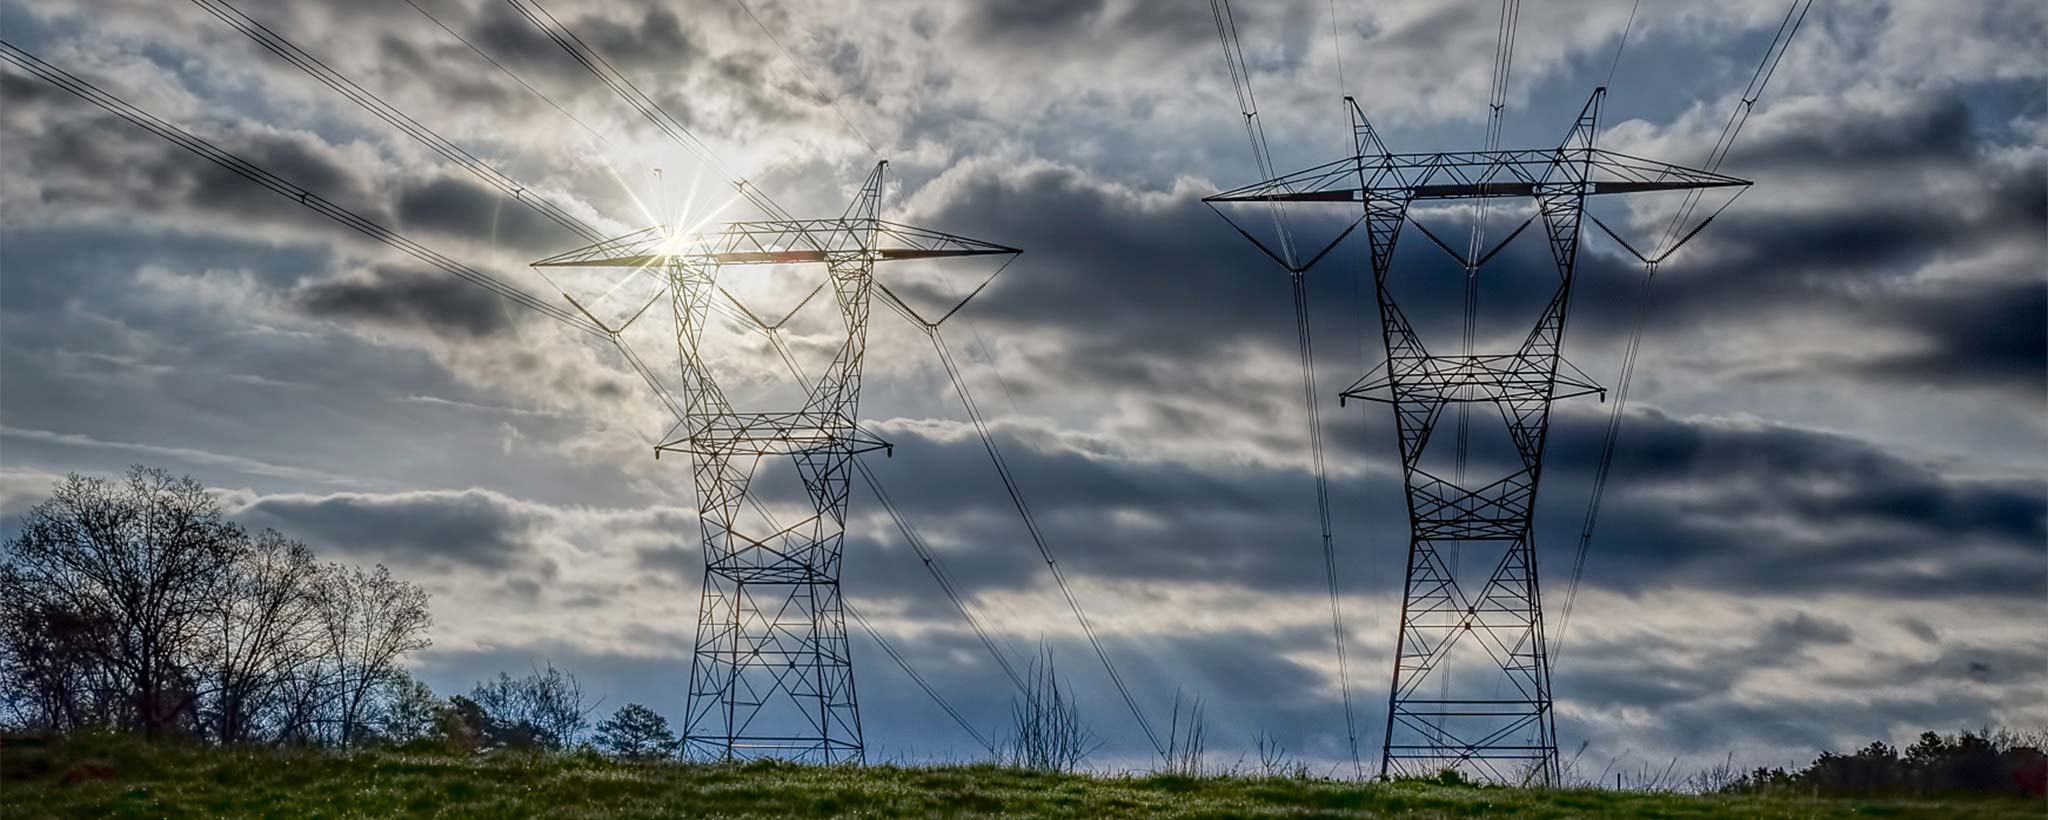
x=136, y=604
x=51, y=676
x=411, y=710
x=545, y=709
x=261, y=633
x=369, y=620
x=296, y=713
x=136, y=567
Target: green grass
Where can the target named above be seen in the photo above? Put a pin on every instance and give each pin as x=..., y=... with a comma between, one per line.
x=111, y=777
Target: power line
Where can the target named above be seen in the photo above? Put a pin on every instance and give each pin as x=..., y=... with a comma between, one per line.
x=938, y=572
x=915, y=677
x=285, y=188
x=282, y=47
x=931, y=328
x=508, y=72
x=1795, y=14
x=1614, y=64
x=1038, y=536
x=667, y=124
x=830, y=99
x=1424, y=733
x=932, y=564
x=277, y=44
x=620, y=85
x=1337, y=45
x=1496, y=110
x=1496, y=114
x=1240, y=78
x=1248, y=108
x=1023, y=509
x=90, y=93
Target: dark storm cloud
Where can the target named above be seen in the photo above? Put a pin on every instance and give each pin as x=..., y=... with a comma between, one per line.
x=1158, y=284
x=1971, y=335
x=1937, y=127
x=86, y=159
x=1881, y=196
x=657, y=41
x=469, y=89
x=1950, y=665
x=1863, y=516
x=1109, y=517
x=1904, y=188
x=1159, y=30
x=419, y=530
x=675, y=562
x=1136, y=303
x=1764, y=507
x=658, y=52
x=1157, y=272
x=462, y=208
x=1702, y=503
x=407, y=297
x=1788, y=261
x=1799, y=632
x=1707, y=699
x=1716, y=725
x=1921, y=629
x=1655, y=672
x=1026, y=21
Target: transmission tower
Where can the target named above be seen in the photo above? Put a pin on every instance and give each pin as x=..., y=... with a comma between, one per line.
x=772, y=674
x=1502, y=726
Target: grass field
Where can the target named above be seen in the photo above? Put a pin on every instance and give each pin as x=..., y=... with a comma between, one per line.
x=106, y=777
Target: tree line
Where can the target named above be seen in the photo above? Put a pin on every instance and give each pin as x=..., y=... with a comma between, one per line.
x=136, y=605
x=1966, y=763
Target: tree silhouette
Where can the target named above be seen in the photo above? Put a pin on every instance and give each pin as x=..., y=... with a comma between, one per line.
x=371, y=620
x=123, y=577
x=137, y=605
x=260, y=633
x=638, y=733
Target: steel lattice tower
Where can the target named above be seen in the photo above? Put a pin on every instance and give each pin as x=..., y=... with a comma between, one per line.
x=1427, y=732
x=772, y=674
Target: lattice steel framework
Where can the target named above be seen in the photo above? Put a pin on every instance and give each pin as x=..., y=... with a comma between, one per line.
x=772, y=674
x=1427, y=732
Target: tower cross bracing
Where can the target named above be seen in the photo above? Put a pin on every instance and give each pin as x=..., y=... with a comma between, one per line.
x=1512, y=733
x=771, y=673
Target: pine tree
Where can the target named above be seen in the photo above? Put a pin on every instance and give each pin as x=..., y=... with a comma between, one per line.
x=638, y=733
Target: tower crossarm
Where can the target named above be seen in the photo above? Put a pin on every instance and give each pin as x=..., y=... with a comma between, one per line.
x=1505, y=377
x=1475, y=175
x=777, y=242
x=772, y=434
x=1458, y=527
x=772, y=671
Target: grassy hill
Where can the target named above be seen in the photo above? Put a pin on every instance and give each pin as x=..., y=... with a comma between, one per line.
x=109, y=777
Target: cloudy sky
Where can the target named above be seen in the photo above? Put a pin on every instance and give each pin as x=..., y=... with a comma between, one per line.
x=1828, y=518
